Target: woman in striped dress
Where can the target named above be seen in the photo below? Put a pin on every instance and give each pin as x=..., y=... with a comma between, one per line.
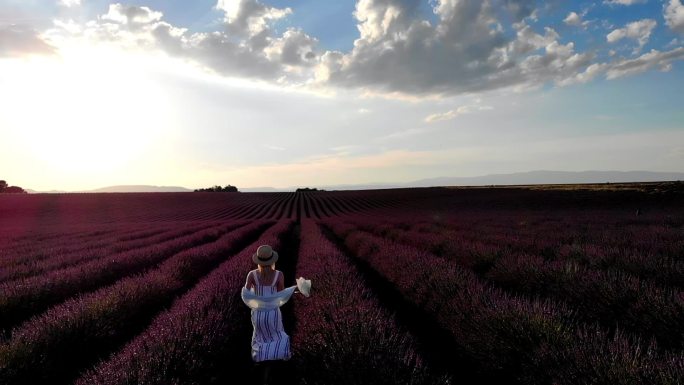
x=269, y=340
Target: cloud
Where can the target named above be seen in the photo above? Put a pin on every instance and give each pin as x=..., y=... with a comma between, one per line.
x=521, y=9
x=573, y=19
x=452, y=114
x=645, y=62
x=131, y=15
x=674, y=16
x=404, y=134
x=69, y=3
x=674, y=43
x=638, y=30
x=625, y=67
x=246, y=46
x=249, y=17
x=295, y=48
x=624, y=2
x=588, y=75
x=21, y=40
x=466, y=50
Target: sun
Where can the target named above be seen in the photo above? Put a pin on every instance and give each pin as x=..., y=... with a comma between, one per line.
x=90, y=109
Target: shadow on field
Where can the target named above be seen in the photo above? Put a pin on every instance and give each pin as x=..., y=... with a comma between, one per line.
x=283, y=372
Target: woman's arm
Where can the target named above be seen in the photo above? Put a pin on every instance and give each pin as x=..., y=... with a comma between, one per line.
x=250, y=284
x=281, y=281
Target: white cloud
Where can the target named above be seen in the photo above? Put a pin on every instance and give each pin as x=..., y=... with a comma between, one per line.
x=294, y=48
x=398, y=53
x=638, y=30
x=674, y=16
x=576, y=20
x=588, y=75
x=247, y=46
x=70, y=3
x=647, y=61
x=625, y=67
x=452, y=114
x=559, y=63
x=573, y=19
x=625, y=2
x=527, y=40
x=131, y=15
x=674, y=43
x=250, y=17
x=521, y=9
x=405, y=134
x=466, y=50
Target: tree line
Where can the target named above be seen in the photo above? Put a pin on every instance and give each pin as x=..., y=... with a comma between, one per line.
x=5, y=188
x=217, y=188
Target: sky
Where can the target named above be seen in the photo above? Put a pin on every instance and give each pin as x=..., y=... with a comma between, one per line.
x=307, y=93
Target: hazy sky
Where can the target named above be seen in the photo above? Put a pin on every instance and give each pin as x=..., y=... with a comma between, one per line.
x=311, y=92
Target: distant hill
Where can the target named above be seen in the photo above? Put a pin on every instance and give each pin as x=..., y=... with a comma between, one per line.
x=522, y=178
x=528, y=178
x=263, y=189
x=140, y=188
x=117, y=189
x=28, y=190
x=553, y=177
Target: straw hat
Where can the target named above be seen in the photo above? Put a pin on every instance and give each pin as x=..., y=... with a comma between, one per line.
x=304, y=286
x=265, y=256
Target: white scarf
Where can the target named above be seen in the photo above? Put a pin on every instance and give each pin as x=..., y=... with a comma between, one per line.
x=272, y=301
x=266, y=302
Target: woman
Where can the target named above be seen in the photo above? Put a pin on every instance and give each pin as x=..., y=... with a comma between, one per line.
x=269, y=340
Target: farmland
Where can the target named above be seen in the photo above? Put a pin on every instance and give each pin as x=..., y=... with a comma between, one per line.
x=519, y=285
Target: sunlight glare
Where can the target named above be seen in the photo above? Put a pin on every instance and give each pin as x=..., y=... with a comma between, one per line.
x=89, y=110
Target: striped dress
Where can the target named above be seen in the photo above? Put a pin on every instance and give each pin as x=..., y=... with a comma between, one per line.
x=269, y=340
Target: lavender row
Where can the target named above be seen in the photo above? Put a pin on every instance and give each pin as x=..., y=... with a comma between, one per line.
x=545, y=232
x=645, y=247
x=205, y=332
x=102, y=248
x=12, y=239
x=343, y=333
x=646, y=250
x=612, y=298
x=61, y=209
x=527, y=341
x=22, y=298
x=51, y=348
x=67, y=243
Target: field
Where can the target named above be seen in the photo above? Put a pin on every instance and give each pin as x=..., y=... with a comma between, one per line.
x=520, y=285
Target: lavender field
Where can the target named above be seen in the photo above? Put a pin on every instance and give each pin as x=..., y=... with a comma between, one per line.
x=410, y=286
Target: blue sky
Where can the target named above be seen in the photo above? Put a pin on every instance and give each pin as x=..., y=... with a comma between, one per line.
x=298, y=93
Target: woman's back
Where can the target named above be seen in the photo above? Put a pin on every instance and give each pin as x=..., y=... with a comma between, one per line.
x=269, y=340
x=265, y=284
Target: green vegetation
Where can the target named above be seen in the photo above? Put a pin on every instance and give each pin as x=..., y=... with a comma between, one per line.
x=217, y=188
x=5, y=188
